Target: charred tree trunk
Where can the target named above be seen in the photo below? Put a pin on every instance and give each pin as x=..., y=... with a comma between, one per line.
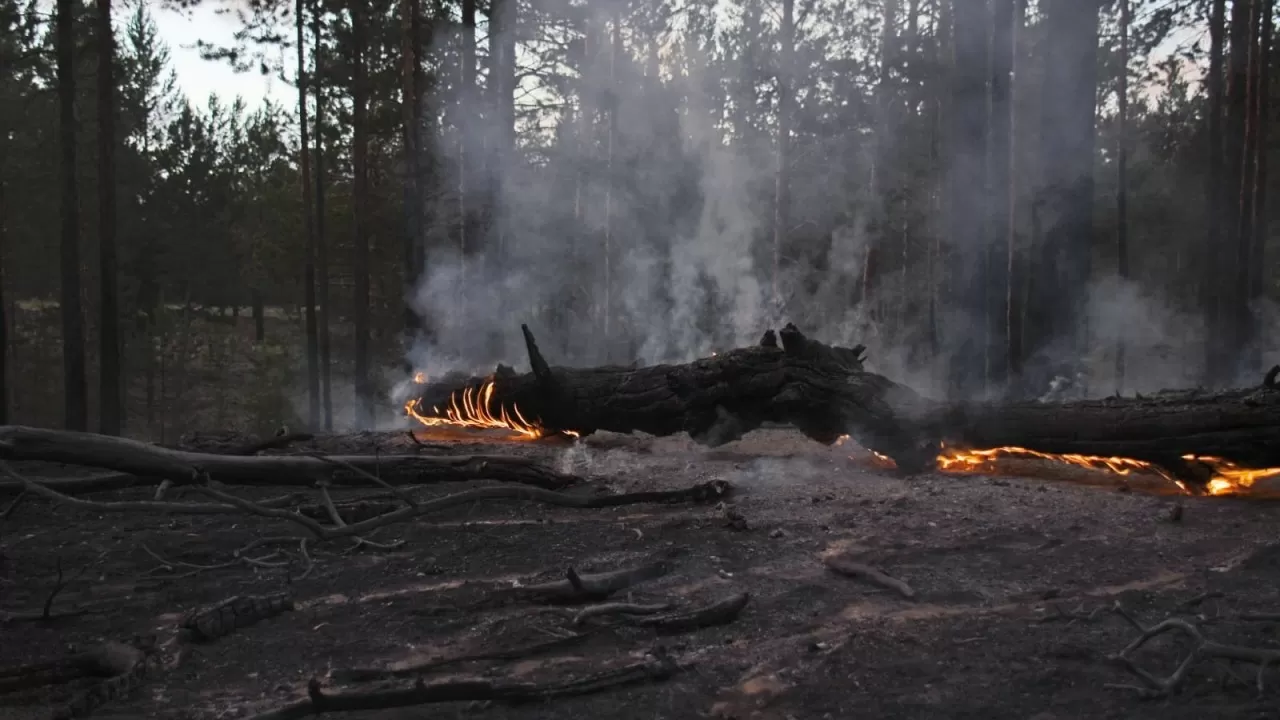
x=409, y=99
x=322, y=242
x=308, y=230
x=879, y=195
x=110, y=397
x=4, y=245
x=1122, y=175
x=1211, y=284
x=75, y=386
x=969, y=252
x=1241, y=315
x=782, y=179
x=1262, y=217
x=360, y=219
x=1000, y=227
x=825, y=393
x=468, y=218
x=1055, y=329
x=1234, y=141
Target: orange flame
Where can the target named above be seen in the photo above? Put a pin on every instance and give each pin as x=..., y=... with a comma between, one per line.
x=475, y=407
x=472, y=407
x=1227, y=477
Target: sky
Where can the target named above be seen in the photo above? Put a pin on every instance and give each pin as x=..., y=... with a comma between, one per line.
x=197, y=77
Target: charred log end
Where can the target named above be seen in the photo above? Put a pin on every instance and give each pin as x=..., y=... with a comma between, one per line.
x=504, y=372
x=541, y=370
x=793, y=341
x=1269, y=381
x=316, y=695
x=769, y=340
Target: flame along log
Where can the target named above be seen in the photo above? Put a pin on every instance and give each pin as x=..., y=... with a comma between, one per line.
x=1212, y=441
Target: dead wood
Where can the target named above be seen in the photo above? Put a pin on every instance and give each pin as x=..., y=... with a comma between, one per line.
x=122, y=666
x=825, y=392
x=276, y=442
x=349, y=675
x=655, y=668
x=1202, y=649
x=619, y=608
x=851, y=568
x=720, y=612
x=577, y=589
x=233, y=614
x=184, y=468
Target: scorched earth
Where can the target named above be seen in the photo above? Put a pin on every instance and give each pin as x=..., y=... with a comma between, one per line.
x=867, y=595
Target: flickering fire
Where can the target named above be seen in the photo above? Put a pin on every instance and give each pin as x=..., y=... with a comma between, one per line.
x=1227, y=477
x=473, y=407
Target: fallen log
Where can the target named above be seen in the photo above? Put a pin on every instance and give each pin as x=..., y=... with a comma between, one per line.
x=825, y=392
x=182, y=467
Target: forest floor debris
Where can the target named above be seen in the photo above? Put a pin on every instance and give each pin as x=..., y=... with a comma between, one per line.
x=655, y=608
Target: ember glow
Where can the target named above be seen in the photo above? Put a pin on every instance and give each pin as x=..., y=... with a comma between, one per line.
x=475, y=408
x=1227, y=477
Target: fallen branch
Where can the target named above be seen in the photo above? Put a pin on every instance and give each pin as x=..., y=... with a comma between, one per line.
x=233, y=614
x=577, y=589
x=273, y=443
x=619, y=608
x=184, y=468
x=718, y=613
x=1204, y=649
x=349, y=675
x=265, y=561
x=653, y=669
x=850, y=568
x=123, y=667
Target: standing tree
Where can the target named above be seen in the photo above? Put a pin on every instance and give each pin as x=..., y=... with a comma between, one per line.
x=1122, y=174
x=110, y=412
x=1000, y=159
x=969, y=259
x=360, y=216
x=75, y=386
x=1262, y=217
x=308, y=227
x=1215, y=195
x=409, y=99
x=782, y=179
x=1055, y=329
x=322, y=242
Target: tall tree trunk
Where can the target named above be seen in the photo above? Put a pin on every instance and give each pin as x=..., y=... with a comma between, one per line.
x=308, y=230
x=468, y=227
x=4, y=319
x=615, y=47
x=110, y=412
x=360, y=216
x=503, y=19
x=1248, y=175
x=1262, y=217
x=1056, y=329
x=75, y=385
x=782, y=176
x=322, y=242
x=1122, y=175
x=967, y=154
x=1215, y=194
x=879, y=195
x=412, y=193
x=1000, y=190
x=1234, y=141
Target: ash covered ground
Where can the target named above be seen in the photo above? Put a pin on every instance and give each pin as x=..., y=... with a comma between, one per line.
x=1006, y=574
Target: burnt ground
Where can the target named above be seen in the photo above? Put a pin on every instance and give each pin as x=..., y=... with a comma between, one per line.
x=989, y=559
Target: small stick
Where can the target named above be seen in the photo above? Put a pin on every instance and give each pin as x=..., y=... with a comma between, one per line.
x=367, y=476
x=850, y=568
x=619, y=608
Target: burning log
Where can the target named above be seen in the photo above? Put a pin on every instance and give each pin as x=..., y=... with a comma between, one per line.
x=1217, y=441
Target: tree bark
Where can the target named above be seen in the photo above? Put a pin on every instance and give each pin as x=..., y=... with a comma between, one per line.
x=409, y=99
x=966, y=332
x=322, y=242
x=1000, y=164
x=1211, y=284
x=110, y=397
x=308, y=229
x=1262, y=221
x=825, y=393
x=1122, y=176
x=1235, y=185
x=4, y=312
x=1056, y=328
x=468, y=225
x=782, y=177
x=75, y=385
x=360, y=218
x=879, y=196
